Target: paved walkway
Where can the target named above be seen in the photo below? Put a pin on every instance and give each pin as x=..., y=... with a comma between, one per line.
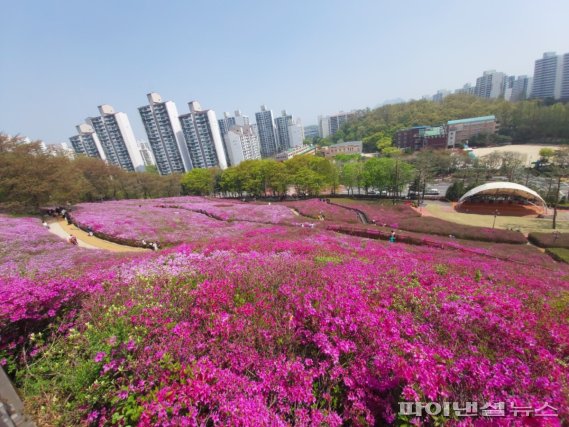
x=62, y=229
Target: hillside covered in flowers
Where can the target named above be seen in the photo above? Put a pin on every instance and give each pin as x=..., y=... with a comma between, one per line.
x=258, y=314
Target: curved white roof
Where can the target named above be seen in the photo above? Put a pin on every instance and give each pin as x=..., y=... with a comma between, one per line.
x=500, y=188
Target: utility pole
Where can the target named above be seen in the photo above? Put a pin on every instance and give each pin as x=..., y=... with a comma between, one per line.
x=396, y=187
x=496, y=213
x=556, y=201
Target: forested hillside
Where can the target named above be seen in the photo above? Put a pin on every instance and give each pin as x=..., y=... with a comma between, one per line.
x=522, y=122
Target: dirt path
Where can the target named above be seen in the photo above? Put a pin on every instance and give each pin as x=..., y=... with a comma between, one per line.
x=62, y=229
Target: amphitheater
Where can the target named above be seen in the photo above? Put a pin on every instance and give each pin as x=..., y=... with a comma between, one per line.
x=503, y=198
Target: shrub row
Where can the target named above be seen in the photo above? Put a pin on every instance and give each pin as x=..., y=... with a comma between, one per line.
x=440, y=227
x=384, y=234
x=405, y=218
x=314, y=208
x=550, y=240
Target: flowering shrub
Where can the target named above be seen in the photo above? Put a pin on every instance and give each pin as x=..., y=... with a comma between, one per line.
x=230, y=210
x=380, y=213
x=315, y=208
x=550, y=240
x=405, y=218
x=280, y=325
x=131, y=221
x=438, y=226
x=28, y=249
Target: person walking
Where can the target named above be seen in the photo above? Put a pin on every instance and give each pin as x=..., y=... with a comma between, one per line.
x=392, y=237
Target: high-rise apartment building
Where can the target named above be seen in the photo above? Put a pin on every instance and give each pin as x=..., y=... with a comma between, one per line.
x=296, y=133
x=508, y=87
x=267, y=132
x=282, y=123
x=227, y=121
x=146, y=153
x=290, y=132
x=203, y=138
x=440, y=95
x=311, y=131
x=490, y=85
x=165, y=136
x=467, y=89
x=242, y=143
x=565, y=79
x=329, y=125
x=521, y=88
x=86, y=142
x=548, y=76
x=117, y=138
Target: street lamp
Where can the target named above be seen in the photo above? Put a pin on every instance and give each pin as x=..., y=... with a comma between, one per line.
x=496, y=213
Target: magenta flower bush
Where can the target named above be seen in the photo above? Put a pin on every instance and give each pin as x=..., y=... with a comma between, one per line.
x=231, y=210
x=28, y=249
x=438, y=226
x=405, y=218
x=380, y=213
x=281, y=325
x=315, y=208
x=131, y=221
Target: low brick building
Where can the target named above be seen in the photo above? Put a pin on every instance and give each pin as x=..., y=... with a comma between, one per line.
x=462, y=130
x=420, y=137
x=446, y=136
x=350, y=147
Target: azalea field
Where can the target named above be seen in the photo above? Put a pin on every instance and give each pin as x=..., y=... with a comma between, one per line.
x=278, y=314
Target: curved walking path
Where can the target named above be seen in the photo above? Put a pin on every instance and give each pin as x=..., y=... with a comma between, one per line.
x=62, y=229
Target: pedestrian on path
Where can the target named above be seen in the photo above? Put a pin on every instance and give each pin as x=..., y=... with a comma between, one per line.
x=392, y=237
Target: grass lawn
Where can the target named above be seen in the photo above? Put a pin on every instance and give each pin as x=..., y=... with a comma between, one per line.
x=525, y=224
x=560, y=254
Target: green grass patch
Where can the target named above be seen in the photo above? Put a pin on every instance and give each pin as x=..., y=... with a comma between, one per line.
x=327, y=259
x=559, y=254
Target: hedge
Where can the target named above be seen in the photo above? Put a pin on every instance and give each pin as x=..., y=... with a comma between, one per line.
x=441, y=227
x=550, y=240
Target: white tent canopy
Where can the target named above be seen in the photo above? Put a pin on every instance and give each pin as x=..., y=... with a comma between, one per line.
x=504, y=189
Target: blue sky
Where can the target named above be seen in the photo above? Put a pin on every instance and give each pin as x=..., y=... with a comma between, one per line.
x=59, y=60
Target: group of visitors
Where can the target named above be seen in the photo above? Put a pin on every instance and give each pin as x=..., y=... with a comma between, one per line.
x=60, y=212
x=307, y=225
x=151, y=245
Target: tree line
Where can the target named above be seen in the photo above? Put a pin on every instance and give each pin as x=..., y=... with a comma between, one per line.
x=31, y=178
x=302, y=175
